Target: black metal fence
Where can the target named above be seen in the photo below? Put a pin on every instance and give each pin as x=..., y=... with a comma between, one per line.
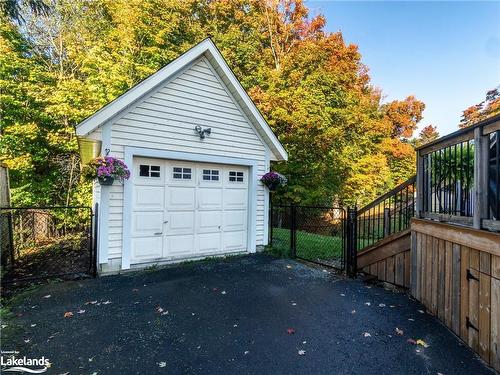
x=313, y=233
x=39, y=243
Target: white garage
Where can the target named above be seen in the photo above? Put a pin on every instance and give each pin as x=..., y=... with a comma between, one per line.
x=196, y=147
x=182, y=209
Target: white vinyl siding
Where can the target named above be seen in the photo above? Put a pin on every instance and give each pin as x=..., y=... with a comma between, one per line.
x=165, y=120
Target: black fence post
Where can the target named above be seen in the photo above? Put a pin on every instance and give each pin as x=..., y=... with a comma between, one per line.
x=293, y=230
x=352, y=254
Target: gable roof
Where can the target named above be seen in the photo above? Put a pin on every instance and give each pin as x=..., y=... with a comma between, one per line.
x=205, y=48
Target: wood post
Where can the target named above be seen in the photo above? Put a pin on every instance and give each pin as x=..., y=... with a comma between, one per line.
x=6, y=238
x=480, y=184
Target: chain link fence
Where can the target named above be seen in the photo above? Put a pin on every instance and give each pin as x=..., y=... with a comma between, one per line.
x=47, y=242
x=313, y=233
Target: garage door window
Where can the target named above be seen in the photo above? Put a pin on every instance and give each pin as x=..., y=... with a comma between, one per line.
x=182, y=173
x=235, y=176
x=149, y=170
x=210, y=175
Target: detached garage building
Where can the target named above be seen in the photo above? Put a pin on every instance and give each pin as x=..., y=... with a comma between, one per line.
x=191, y=194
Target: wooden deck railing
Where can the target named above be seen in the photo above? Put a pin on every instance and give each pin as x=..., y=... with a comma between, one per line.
x=458, y=177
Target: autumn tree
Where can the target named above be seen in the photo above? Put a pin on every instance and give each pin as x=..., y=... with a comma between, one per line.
x=345, y=146
x=428, y=134
x=402, y=117
x=490, y=106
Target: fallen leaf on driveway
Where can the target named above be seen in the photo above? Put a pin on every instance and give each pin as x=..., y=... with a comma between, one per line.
x=162, y=364
x=366, y=334
x=47, y=296
x=68, y=314
x=301, y=352
x=81, y=311
x=423, y=343
x=290, y=331
x=53, y=335
x=399, y=331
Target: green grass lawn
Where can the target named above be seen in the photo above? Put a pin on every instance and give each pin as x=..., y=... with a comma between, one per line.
x=309, y=245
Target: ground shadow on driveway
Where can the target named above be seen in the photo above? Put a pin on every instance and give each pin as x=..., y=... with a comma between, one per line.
x=248, y=315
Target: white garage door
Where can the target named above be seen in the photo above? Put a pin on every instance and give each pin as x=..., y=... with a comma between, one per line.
x=183, y=209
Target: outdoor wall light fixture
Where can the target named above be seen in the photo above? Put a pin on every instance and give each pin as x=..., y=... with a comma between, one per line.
x=202, y=132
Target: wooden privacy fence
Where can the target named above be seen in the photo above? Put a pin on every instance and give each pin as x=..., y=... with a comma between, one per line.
x=455, y=273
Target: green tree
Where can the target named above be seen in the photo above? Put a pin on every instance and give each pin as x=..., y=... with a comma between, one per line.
x=345, y=146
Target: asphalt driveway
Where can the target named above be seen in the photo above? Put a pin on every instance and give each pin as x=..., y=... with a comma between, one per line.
x=247, y=315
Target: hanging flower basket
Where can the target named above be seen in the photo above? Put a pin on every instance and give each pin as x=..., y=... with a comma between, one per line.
x=106, y=170
x=106, y=180
x=273, y=180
